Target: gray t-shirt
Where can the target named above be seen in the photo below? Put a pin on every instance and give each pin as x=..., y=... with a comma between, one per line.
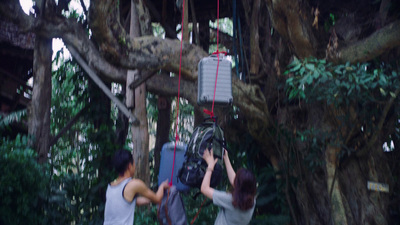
x=118, y=211
x=228, y=214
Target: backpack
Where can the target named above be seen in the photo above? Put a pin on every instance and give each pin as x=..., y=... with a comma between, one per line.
x=205, y=136
x=171, y=210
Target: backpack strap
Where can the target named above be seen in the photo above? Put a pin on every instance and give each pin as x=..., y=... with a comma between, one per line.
x=166, y=209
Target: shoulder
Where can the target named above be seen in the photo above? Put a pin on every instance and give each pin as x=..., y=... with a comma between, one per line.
x=222, y=194
x=132, y=188
x=222, y=199
x=135, y=185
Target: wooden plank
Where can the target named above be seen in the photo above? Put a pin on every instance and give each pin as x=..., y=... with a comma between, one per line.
x=102, y=86
x=144, y=77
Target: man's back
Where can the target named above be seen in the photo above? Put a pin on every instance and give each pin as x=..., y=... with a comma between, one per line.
x=118, y=211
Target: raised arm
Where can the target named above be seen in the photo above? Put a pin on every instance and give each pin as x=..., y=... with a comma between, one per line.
x=205, y=185
x=229, y=170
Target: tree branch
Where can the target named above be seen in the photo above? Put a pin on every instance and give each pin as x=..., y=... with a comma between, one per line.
x=382, y=120
x=379, y=42
x=143, y=53
x=69, y=125
x=292, y=23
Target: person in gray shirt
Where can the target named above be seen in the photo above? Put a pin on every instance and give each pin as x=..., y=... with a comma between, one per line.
x=237, y=207
x=124, y=193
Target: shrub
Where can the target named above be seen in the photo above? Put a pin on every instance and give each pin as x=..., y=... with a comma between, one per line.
x=22, y=183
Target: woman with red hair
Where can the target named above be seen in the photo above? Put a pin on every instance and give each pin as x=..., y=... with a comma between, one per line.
x=237, y=207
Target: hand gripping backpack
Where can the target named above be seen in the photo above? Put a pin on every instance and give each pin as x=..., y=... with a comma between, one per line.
x=205, y=136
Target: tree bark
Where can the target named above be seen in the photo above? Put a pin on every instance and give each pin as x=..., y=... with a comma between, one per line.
x=39, y=125
x=254, y=39
x=140, y=134
x=163, y=129
x=292, y=21
x=369, y=48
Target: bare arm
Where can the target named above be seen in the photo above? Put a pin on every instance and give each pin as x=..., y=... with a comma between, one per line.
x=139, y=187
x=142, y=201
x=229, y=170
x=205, y=185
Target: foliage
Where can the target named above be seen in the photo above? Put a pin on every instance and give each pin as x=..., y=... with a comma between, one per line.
x=314, y=142
x=271, y=204
x=146, y=215
x=185, y=120
x=13, y=117
x=23, y=183
x=201, y=206
x=80, y=159
x=368, y=91
x=315, y=80
x=362, y=89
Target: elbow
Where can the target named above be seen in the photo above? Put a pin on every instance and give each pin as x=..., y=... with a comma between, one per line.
x=157, y=200
x=207, y=191
x=203, y=189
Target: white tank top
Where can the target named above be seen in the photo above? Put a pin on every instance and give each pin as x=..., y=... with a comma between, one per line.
x=118, y=211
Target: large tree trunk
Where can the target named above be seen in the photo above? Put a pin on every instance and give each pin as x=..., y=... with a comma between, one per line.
x=163, y=129
x=363, y=206
x=39, y=125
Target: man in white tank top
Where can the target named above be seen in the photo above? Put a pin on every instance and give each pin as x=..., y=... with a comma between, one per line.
x=124, y=193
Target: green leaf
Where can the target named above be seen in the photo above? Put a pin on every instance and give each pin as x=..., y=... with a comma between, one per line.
x=295, y=68
x=302, y=70
x=309, y=79
x=315, y=74
x=383, y=92
x=293, y=93
x=382, y=79
x=290, y=81
x=310, y=66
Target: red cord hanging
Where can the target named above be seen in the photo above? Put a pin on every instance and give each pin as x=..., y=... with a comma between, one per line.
x=211, y=113
x=177, y=99
x=208, y=112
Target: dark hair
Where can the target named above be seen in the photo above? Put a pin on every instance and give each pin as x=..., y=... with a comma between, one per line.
x=244, y=189
x=122, y=159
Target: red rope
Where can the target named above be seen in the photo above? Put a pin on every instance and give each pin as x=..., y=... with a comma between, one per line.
x=211, y=113
x=198, y=212
x=177, y=99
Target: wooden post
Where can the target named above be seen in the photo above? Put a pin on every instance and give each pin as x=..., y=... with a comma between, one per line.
x=137, y=100
x=39, y=113
x=196, y=39
x=185, y=33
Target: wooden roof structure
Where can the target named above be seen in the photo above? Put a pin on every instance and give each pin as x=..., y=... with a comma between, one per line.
x=16, y=63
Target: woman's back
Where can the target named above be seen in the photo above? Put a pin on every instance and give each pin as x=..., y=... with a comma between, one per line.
x=228, y=214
